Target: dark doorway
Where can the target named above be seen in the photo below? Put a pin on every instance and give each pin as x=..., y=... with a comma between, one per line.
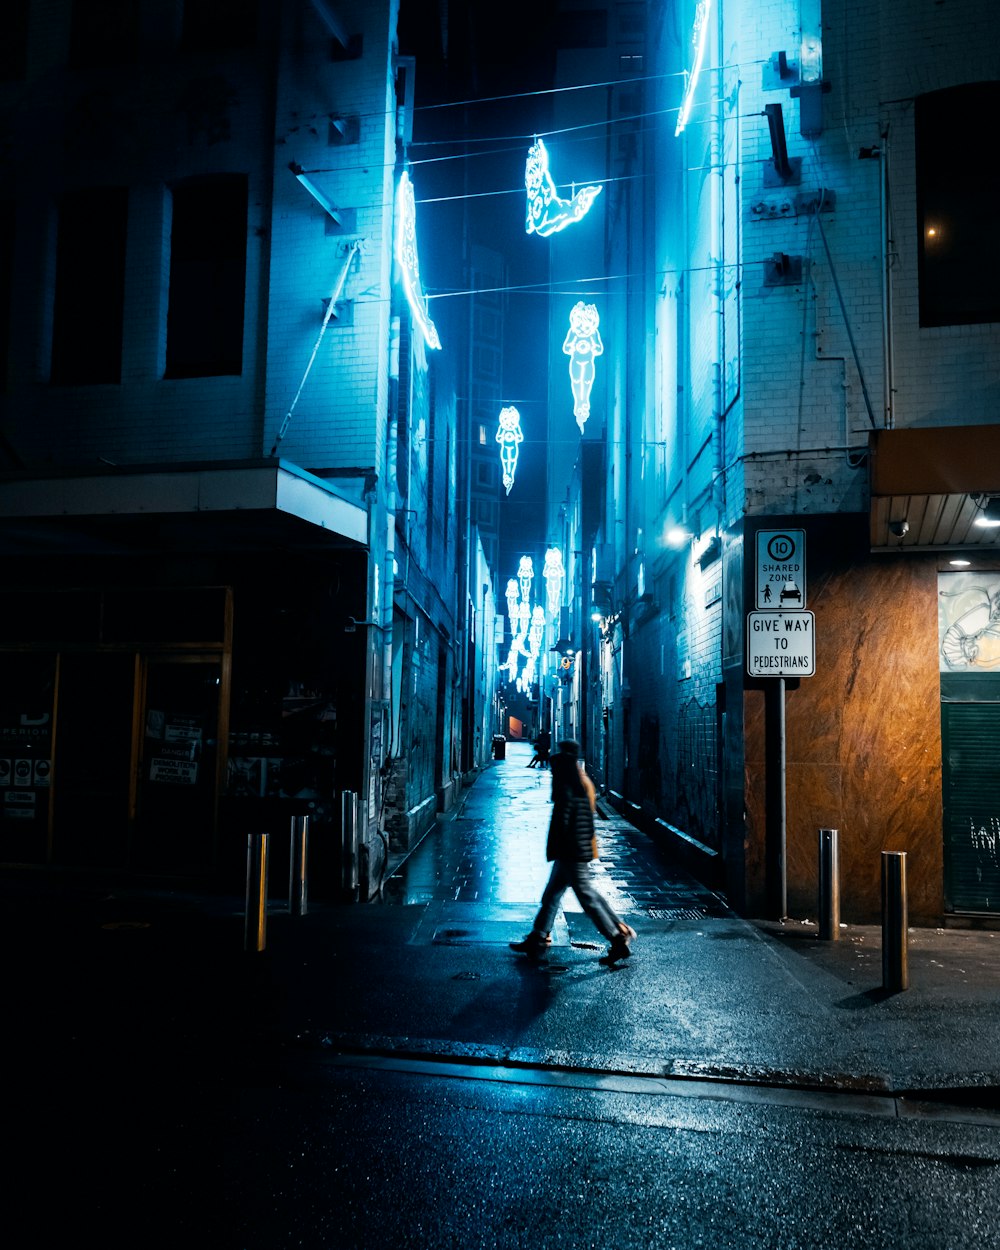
x=93, y=759
x=176, y=810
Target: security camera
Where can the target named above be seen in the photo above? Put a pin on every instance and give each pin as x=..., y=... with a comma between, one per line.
x=899, y=528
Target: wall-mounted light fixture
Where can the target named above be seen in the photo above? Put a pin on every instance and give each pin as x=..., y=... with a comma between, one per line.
x=990, y=516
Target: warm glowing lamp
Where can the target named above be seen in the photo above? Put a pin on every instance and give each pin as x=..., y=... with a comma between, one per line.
x=547, y=213
x=406, y=258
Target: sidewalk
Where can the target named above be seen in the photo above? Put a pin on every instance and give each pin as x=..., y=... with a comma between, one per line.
x=707, y=995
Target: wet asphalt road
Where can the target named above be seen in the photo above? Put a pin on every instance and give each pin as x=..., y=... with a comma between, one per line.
x=163, y=1089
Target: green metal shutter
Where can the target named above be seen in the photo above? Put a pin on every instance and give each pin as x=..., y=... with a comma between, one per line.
x=971, y=778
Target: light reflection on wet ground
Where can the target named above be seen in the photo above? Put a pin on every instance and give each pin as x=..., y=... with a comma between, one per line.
x=493, y=853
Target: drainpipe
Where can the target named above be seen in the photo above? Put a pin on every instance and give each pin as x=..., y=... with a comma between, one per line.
x=888, y=254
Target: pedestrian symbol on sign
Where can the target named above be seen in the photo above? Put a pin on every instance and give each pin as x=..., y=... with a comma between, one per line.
x=781, y=569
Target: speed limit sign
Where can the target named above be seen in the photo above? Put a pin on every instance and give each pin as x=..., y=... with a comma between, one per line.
x=781, y=570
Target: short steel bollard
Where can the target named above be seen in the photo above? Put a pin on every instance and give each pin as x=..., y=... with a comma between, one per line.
x=829, y=885
x=349, y=842
x=298, y=860
x=255, y=922
x=895, y=968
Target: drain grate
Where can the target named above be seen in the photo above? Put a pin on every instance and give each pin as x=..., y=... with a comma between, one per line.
x=676, y=913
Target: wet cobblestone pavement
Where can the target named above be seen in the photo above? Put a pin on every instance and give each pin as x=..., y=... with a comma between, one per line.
x=492, y=853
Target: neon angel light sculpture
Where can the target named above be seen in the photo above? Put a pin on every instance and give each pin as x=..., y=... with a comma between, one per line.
x=513, y=593
x=509, y=436
x=409, y=265
x=582, y=345
x=699, y=36
x=525, y=576
x=547, y=213
x=554, y=574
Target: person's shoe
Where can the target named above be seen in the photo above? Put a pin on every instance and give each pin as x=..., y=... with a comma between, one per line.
x=619, y=948
x=534, y=945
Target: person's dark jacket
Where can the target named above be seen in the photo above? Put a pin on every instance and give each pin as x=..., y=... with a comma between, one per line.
x=571, y=829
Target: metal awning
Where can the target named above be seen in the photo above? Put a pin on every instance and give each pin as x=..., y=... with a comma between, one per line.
x=241, y=505
x=933, y=483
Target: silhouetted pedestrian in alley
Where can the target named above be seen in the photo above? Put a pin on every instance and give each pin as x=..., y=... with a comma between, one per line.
x=543, y=745
x=571, y=845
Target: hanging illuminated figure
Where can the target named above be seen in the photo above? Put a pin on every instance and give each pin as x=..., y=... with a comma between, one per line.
x=699, y=36
x=525, y=575
x=554, y=574
x=409, y=265
x=547, y=213
x=535, y=633
x=583, y=345
x=509, y=436
x=512, y=595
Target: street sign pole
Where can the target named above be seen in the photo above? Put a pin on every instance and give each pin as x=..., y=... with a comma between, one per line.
x=782, y=808
x=781, y=644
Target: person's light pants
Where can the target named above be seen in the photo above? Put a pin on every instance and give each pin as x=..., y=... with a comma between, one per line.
x=568, y=875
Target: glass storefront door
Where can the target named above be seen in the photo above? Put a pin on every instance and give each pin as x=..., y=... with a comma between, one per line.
x=179, y=757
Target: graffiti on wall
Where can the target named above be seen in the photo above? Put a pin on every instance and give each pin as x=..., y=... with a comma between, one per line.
x=697, y=769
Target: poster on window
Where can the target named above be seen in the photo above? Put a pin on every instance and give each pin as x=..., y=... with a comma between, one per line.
x=174, y=747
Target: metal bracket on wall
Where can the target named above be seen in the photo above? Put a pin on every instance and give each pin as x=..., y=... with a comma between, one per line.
x=782, y=270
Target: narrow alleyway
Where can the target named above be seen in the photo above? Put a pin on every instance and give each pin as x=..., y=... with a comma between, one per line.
x=488, y=862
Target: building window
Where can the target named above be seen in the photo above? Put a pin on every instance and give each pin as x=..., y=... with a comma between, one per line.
x=582, y=28
x=104, y=32
x=218, y=25
x=208, y=245
x=14, y=44
x=958, y=189
x=7, y=246
x=89, y=309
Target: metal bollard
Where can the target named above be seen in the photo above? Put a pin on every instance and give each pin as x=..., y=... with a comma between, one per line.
x=349, y=842
x=829, y=885
x=255, y=922
x=298, y=860
x=895, y=969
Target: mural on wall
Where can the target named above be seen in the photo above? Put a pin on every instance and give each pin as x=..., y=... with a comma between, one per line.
x=969, y=622
x=546, y=212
